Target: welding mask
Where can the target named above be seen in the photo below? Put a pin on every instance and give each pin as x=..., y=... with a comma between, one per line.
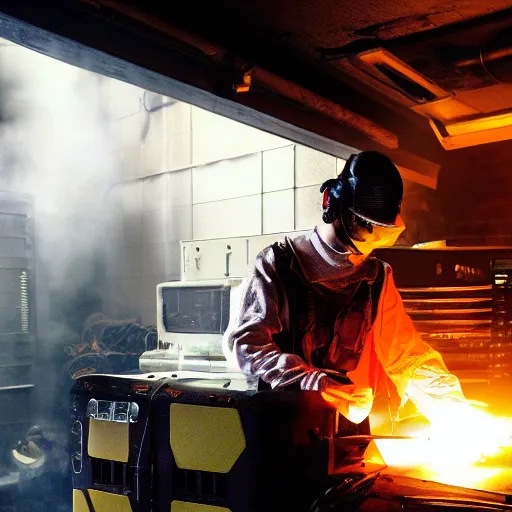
x=366, y=198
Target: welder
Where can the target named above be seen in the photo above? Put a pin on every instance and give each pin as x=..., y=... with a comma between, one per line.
x=320, y=313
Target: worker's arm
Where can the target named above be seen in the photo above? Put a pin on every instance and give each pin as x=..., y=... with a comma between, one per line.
x=416, y=369
x=263, y=309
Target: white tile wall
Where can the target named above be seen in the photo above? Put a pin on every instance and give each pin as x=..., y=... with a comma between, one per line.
x=278, y=211
x=125, y=99
x=340, y=163
x=131, y=128
x=229, y=218
x=264, y=141
x=113, y=256
x=131, y=197
x=227, y=179
x=180, y=188
x=148, y=293
x=203, y=119
x=179, y=223
x=173, y=260
x=160, y=263
x=114, y=228
x=130, y=290
x=212, y=145
x=155, y=192
x=217, y=138
x=179, y=118
x=114, y=165
x=242, y=185
x=211, y=259
x=154, y=225
x=114, y=204
x=153, y=260
x=278, y=169
x=6, y=42
x=308, y=207
x=132, y=230
x=154, y=150
x=251, y=140
x=132, y=158
x=115, y=135
x=179, y=150
x=312, y=167
x=130, y=262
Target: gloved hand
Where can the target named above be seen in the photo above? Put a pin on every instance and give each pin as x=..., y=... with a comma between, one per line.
x=353, y=403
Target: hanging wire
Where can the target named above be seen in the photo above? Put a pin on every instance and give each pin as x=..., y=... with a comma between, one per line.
x=157, y=107
x=486, y=69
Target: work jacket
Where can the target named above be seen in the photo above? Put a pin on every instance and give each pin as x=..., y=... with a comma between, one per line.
x=310, y=317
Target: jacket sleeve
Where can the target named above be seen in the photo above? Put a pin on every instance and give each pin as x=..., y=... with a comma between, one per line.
x=263, y=308
x=416, y=369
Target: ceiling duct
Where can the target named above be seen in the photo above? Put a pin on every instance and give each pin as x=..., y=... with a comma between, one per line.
x=392, y=72
x=456, y=122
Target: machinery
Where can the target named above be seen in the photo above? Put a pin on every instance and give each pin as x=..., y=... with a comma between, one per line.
x=199, y=443
x=192, y=434
x=17, y=329
x=449, y=291
x=192, y=318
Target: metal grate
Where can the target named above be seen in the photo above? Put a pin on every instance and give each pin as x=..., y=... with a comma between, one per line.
x=109, y=473
x=25, y=324
x=501, y=327
x=201, y=485
x=454, y=320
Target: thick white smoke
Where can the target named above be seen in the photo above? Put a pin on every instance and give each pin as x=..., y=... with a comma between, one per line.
x=56, y=146
x=60, y=152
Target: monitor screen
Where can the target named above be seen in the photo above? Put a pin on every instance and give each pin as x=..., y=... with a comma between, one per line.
x=198, y=310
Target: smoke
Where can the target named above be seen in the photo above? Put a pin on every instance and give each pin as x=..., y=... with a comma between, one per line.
x=56, y=145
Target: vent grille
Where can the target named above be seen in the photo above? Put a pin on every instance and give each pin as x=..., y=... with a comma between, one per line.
x=501, y=326
x=397, y=76
x=25, y=323
x=112, y=474
x=454, y=321
x=201, y=485
x=405, y=84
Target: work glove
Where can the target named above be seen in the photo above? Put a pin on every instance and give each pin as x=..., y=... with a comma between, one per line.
x=352, y=402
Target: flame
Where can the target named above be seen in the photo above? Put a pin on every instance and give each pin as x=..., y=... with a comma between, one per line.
x=453, y=449
x=465, y=435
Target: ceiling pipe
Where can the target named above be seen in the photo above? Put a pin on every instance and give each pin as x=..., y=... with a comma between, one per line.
x=495, y=57
x=276, y=84
x=266, y=79
x=206, y=47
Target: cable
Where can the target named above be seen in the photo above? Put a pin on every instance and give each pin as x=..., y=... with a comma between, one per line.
x=158, y=107
x=486, y=69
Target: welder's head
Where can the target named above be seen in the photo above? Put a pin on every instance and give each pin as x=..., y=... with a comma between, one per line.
x=365, y=200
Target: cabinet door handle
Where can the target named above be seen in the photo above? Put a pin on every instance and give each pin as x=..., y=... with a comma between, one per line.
x=228, y=254
x=184, y=256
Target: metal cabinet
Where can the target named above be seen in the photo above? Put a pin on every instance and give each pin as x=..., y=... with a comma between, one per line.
x=17, y=313
x=213, y=259
x=223, y=258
